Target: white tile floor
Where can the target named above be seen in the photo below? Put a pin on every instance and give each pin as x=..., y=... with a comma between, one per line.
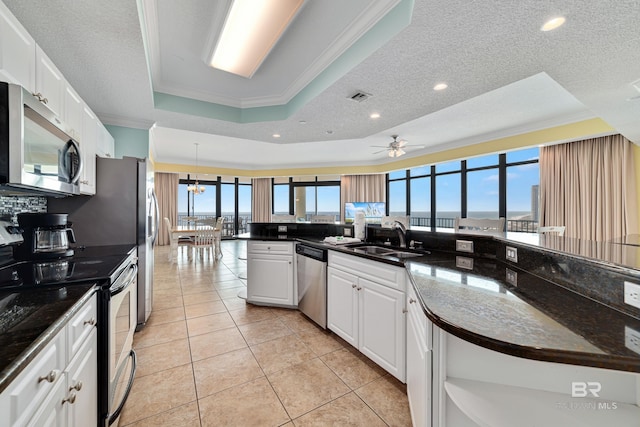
x=206, y=358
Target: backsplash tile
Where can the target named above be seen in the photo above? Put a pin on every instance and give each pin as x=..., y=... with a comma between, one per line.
x=11, y=206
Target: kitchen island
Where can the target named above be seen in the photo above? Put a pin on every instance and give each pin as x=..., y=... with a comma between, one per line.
x=553, y=323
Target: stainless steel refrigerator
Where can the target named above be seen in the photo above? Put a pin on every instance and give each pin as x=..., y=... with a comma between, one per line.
x=123, y=211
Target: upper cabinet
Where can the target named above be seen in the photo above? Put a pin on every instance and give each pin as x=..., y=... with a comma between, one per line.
x=106, y=143
x=72, y=116
x=90, y=125
x=50, y=84
x=17, y=51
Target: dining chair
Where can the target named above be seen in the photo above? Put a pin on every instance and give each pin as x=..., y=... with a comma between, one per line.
x=323, y=219
x=203, y=237
x=492, y=225
x=283, y=218
x=173, y=240
x=553, y=229
x=217, y=236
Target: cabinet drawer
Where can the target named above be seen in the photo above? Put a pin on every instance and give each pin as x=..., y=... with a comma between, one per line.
x=379, y=272
x=80, y=326
x=20, y=400
x=268, y=247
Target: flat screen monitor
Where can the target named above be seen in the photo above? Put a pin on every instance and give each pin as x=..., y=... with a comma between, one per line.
x=373, y=211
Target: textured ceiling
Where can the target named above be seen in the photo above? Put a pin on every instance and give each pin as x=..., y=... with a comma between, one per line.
x=504, y=75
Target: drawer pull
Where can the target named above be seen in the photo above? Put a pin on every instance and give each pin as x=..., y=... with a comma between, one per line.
x=404, y=310
x=411, y=300
x=359, y=288
x=71, y=398
x=76, y=386
x=91, y=322
x=51, y=377
x=354, y=286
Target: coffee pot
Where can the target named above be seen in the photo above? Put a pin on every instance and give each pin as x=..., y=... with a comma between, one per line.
x=46, y=236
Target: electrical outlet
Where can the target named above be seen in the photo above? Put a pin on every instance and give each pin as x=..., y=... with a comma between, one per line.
x=464, y=246
x=632, y=339
x=282, y=229
x=632, y=294
x=511, y=277
x=464, y=262
x=346, y=232
x=512, y=254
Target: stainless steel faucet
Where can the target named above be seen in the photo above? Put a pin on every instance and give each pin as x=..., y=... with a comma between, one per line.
x=402, y=232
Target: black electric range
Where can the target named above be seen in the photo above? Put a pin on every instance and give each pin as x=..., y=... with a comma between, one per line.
x=35, y=294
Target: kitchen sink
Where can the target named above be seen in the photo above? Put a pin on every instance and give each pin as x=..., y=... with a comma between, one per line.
x=373, y=250
x=402, y=254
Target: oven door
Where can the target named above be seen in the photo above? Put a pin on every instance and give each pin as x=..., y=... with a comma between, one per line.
x=122, y=323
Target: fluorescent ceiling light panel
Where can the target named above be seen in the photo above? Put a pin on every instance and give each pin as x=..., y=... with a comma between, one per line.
x=251, y=30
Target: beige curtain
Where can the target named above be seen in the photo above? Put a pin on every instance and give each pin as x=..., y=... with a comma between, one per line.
x=361, y=188
x=261, y=200
x=166, y=185
x=590, y=187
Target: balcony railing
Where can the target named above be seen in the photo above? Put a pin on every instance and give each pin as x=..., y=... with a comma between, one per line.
x=228, y=225
x=520, y=225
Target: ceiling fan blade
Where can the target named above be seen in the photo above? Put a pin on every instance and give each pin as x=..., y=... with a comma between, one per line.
x=380, y=146
x=381, y=151
x=402, y=143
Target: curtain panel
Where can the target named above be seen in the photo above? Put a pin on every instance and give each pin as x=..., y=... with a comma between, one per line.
x=261, y=200
x=361, y=188
x=589, y=186
x=166, y=186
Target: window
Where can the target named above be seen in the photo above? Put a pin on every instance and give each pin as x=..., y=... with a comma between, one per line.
x=523, y=179
x=244, y=207
x=448, y=199
x=315, y=196
x=397, y=197
x=420, y=201
x=281, y=199
x=482, y=194
x=328, y=201
x=227, y=207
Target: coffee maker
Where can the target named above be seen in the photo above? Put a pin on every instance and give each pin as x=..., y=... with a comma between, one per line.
x=46, y=236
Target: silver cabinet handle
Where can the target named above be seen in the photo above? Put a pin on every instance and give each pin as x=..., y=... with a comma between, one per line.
x=71, y=398
x=411, y=300
x=91, y=322
x=76, y=386
x=50, y=377
x=354, y=286
x=359, y=288
x=404, y=310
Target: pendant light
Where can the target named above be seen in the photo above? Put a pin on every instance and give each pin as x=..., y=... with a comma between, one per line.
x=196, y=188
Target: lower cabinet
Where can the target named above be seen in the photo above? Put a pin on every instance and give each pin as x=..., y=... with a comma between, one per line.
x=419, y=360
x=270, y=274
x=59, y=387
x=368, y=315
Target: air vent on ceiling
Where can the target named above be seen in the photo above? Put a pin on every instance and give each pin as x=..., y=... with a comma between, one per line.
x=360, y=96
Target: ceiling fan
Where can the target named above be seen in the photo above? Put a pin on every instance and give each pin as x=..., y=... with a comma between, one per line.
x=395, y=147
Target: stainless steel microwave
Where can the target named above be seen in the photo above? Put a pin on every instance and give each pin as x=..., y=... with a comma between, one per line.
x=37, y=155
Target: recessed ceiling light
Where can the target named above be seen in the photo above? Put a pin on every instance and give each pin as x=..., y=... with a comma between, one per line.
x=553, y=23
x=302, y=122
x=440, y=86
x=329, y=132
x=276, y=135
x=374, y=115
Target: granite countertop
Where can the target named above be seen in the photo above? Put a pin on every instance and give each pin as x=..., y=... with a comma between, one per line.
x=42, y=314
x=529, y=317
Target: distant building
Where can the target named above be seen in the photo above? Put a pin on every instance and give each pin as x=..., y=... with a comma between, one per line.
x=535, y=201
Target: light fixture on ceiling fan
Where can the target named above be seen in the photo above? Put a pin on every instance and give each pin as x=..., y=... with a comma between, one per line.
x=196, y=188
x=395, y=147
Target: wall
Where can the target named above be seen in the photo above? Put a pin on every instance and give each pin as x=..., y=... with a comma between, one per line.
x=129, y=141
x=11, y=206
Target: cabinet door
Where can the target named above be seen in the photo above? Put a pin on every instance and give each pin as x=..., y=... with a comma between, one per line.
x=17, y=51
x=72, y=116
x=88, y=148
x=49, y=82
x=106, y=143
x=270, y=279
x=418, y=380
x=342, y=305
x=382, y=326
x=82, y=378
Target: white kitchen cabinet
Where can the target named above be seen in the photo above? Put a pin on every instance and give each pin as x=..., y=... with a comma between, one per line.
x=72, y=113
x=17, y=51
x=270, y=274
x=105, y=143
x=365, y=307
x=59, y=386
x=50, y=83
x=90, y=124
x=419, y=358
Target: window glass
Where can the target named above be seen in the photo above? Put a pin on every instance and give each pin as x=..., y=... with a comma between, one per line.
x=398, y=174
x=448, y=167
x=227, y=208
x=244, y=207
x=448, y=192
x=397, y=197
x=523, y=155
x=281, y=199
x=478, y=162
x=523, y=197
x=420, y=171
x=420, y=201
x=183, y=195
x=329, y=201
x=482, y=194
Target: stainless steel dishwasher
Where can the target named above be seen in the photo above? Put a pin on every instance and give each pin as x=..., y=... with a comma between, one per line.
x=312, y=282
